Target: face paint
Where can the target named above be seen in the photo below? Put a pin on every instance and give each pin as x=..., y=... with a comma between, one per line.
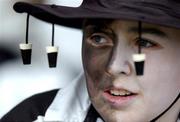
x=114, y=88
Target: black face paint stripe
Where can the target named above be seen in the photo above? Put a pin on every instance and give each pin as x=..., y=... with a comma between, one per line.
x=166, y=109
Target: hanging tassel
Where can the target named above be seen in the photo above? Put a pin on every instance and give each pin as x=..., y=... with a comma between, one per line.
x=26, y=48
x=52, y=51
x=139, y=58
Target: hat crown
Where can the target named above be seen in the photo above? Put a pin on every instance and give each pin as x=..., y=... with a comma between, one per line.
x=150, y=7
x=119, y=3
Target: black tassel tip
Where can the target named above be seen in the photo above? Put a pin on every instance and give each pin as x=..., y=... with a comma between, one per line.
x=26, y=50
x=52, y=53
x=139, y=60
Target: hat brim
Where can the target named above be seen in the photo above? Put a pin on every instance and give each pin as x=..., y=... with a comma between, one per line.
x=74, y=16
x=49, y=13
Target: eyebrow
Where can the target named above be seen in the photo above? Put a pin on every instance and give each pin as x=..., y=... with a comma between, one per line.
x=148, y=30
x=96, y=29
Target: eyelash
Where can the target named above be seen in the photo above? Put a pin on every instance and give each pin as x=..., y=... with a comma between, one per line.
x=146, y=43
x=100, y=40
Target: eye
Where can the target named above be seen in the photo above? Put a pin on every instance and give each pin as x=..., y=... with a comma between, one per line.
x=99, y=40
x=145, y=43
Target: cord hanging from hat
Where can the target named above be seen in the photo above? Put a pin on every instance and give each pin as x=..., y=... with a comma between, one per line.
x=140, y=57
x=27, y=28
x=52, y=34
x=26, y=48
x=140, y=33
x=52, y=51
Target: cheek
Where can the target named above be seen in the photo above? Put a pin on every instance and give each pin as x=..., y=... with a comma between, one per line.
x=162, y=77
x=164, y=68
x=95, y=61
x=161, y=81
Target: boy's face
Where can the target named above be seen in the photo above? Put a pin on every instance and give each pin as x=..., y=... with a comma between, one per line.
x=117, y=93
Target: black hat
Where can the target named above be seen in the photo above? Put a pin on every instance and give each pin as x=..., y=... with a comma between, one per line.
x=162, y=12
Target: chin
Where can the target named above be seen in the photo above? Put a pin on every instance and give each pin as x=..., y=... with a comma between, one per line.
x=122, y=118
x=109, y=114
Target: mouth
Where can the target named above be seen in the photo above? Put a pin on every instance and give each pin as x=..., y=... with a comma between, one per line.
x=119, y=97
x=120, y=93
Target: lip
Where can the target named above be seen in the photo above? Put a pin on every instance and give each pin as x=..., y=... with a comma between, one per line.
x=118, y=101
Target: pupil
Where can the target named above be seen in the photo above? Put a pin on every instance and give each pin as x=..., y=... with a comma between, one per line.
x=144, y=43
x=98, y=39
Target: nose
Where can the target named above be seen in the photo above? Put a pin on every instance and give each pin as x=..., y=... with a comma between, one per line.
x=119, y=63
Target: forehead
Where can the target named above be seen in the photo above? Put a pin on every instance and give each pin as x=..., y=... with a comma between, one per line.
x=116, y=24
x=134, y=24
x=111, y=22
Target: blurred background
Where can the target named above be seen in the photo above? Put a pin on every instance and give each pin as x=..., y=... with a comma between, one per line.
x=18, y=81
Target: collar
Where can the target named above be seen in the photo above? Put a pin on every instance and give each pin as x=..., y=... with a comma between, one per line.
x=71, y=103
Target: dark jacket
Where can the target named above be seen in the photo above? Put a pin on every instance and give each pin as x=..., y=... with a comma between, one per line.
x=31, y=108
